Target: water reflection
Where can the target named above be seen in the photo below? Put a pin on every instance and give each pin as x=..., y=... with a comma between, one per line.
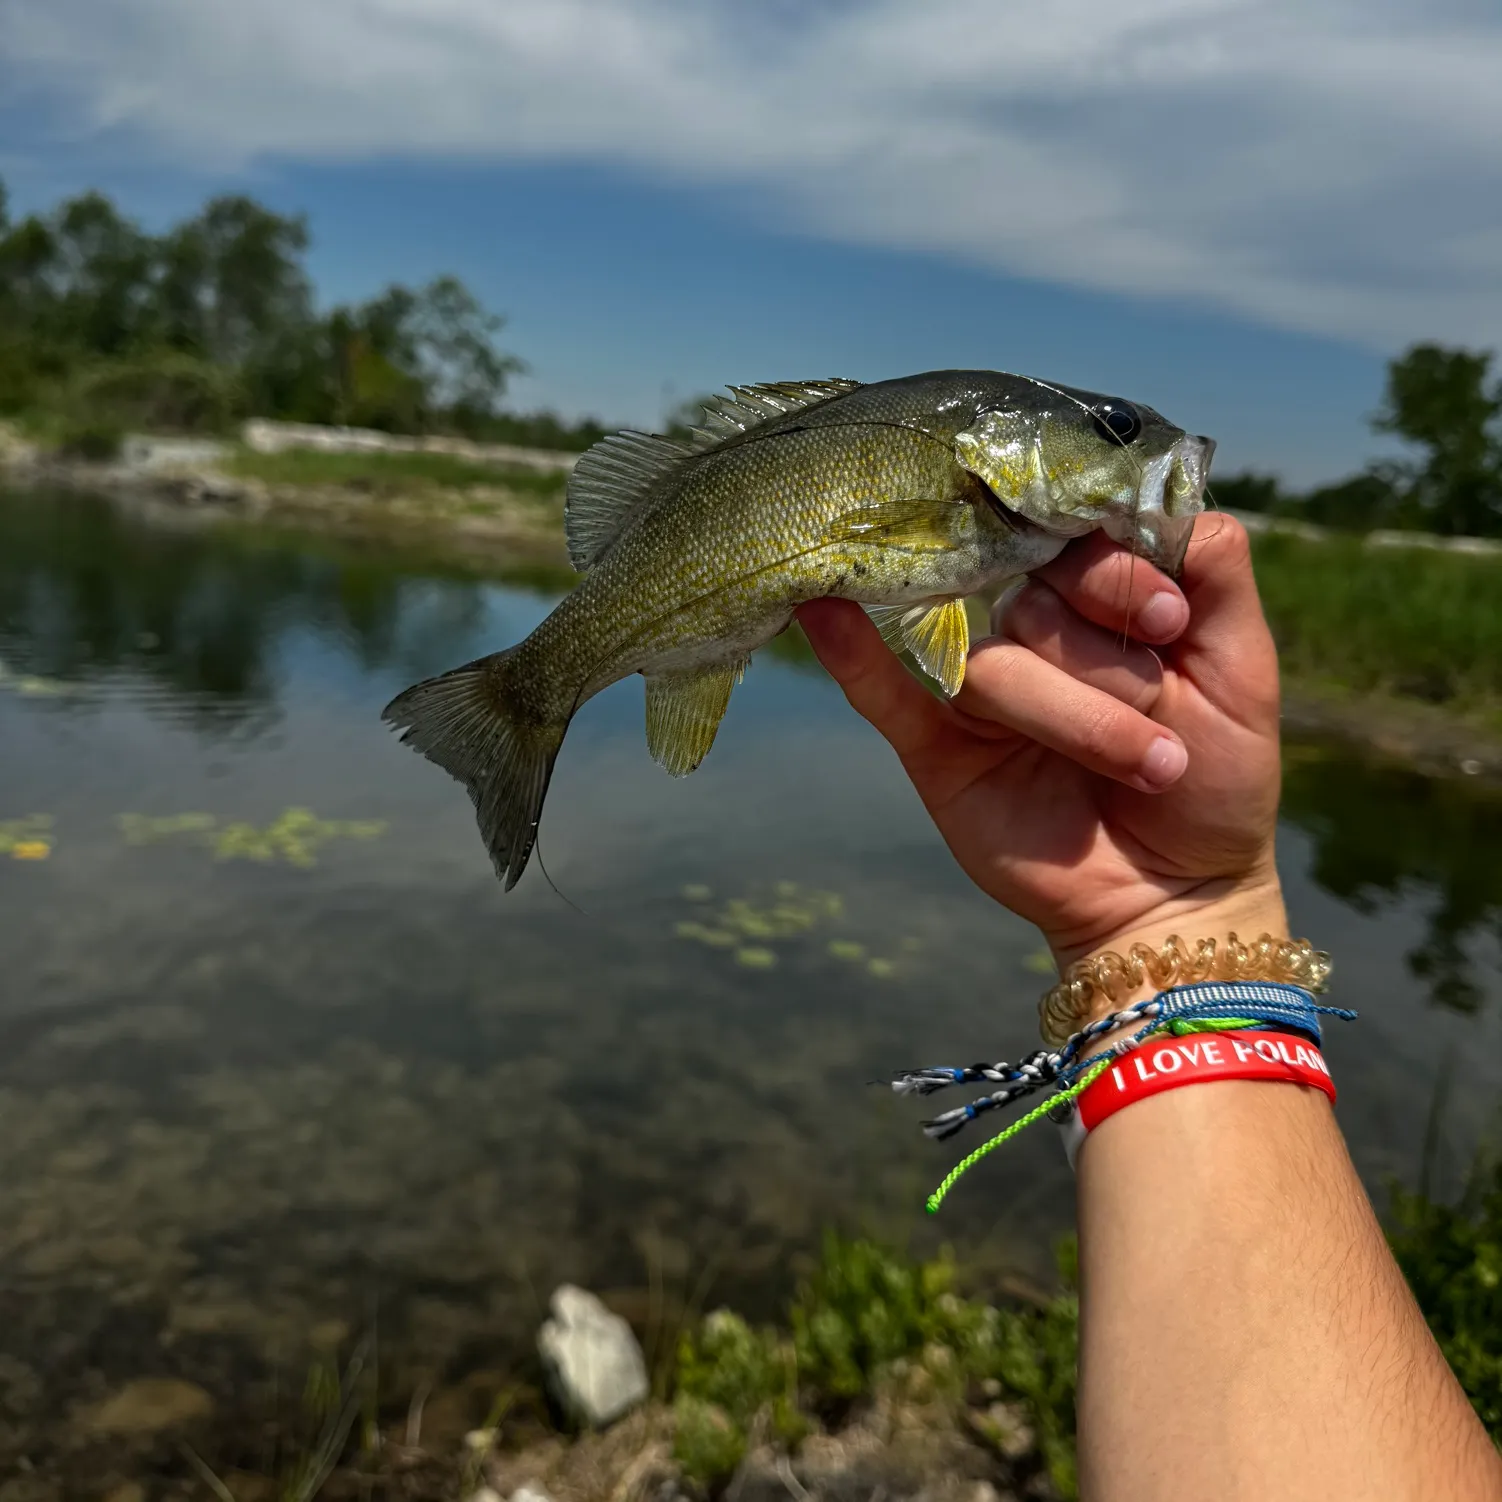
x=87, y=588
x=1382, y=833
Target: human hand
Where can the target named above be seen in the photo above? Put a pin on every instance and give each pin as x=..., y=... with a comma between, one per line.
x=1107, y=790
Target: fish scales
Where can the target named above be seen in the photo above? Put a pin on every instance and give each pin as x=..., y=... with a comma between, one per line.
x=904, y=495
x=626, y=614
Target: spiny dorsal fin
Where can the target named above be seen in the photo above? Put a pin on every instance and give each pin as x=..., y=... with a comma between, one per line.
x=614, y=477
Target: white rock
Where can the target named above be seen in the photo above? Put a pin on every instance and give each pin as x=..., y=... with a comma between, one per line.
x=592, y=1359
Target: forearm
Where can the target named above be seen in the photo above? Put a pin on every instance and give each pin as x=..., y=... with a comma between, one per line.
x=1244, y=1330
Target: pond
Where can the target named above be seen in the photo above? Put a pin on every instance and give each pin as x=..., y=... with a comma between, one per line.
x=280, y=1062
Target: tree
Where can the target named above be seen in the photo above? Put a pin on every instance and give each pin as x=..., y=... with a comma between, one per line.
x=101, y=273
x=231, y=281
x=27, y=303
x=410, y=359
x=457, y=356
x=1248, y=492
x=1439, y=400
x=216, y=317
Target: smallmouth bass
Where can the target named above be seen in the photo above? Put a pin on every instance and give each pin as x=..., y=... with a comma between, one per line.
x=904, y=495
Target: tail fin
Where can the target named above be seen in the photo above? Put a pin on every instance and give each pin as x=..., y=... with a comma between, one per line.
x=470, y=725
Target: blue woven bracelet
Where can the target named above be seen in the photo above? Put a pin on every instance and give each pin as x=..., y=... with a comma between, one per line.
x=1205, y=1001
x=1233, y=1003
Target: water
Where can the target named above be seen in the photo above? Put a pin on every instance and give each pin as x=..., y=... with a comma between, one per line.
x=252, y=1106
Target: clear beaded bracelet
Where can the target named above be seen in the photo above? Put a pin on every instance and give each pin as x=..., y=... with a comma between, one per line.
x=1112, y=976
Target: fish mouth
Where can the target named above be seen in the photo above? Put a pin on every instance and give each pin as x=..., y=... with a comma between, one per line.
x=1170, y=496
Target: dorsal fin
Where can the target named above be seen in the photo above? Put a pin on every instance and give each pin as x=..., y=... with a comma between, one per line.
x=608, y=483
x=614, y=477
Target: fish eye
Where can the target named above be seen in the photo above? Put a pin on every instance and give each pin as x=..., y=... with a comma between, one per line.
x=1117, y=422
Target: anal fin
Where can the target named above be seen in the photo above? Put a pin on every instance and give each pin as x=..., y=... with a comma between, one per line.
x=938, y=636
x=684, y=710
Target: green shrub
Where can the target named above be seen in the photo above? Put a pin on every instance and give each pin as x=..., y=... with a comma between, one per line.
x=732, y=1380
x=164, y=392
x=98, y=441
x=1036, y=1359
x=863, y=1308
x=707, y=1445
x=743, y=1371
x=1452, y=1258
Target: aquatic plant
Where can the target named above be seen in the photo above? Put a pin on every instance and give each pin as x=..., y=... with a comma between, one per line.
x=749, y=925
x=33, y=686
x=28, y=839
x=295, y=836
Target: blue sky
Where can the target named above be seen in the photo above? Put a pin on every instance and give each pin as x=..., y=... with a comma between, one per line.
x=1232, y=209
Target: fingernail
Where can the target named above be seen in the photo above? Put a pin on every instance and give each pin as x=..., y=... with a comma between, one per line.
x=1163, y=615
x=1164, y=763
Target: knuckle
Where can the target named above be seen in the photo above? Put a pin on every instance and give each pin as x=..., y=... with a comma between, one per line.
x=997, y=659
x=1099, y=733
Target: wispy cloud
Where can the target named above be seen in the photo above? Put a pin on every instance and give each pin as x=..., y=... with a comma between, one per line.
x=1327, y=165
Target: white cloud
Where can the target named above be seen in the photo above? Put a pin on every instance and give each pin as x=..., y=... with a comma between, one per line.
x=1327, y=166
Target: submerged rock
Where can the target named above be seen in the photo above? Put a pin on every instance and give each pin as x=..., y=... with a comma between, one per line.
x=594, y=1364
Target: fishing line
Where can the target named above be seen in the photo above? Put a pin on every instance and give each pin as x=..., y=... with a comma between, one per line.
x=542, y=866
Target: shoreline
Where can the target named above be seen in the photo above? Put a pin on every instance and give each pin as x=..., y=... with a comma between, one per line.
x=488, y=526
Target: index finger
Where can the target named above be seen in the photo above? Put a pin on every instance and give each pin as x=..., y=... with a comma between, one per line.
x=1118, y=590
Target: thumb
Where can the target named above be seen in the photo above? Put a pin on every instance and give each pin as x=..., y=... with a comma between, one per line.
x=875, y=682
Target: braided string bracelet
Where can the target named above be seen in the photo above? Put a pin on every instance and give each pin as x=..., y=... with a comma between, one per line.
x=1206, y=1006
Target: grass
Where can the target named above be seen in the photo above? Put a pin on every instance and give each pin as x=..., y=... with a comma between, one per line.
x=1399, y=623
x=380, y=473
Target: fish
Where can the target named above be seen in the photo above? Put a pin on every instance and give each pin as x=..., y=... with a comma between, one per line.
x=904, y=495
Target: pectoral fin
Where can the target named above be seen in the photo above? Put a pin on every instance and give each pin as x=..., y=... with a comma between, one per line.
x=938, y=636
x=683, y=712
x=891, y=621
x=916, y=526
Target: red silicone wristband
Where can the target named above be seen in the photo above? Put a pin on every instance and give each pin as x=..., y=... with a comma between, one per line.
x=1161, y=1064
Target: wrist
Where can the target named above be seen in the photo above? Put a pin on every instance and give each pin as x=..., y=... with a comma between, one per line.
x=1210, y=908
x=1210, y=914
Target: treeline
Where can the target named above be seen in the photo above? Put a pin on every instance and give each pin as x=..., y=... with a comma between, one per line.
x=1444, y=403
x=105, y=327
